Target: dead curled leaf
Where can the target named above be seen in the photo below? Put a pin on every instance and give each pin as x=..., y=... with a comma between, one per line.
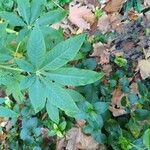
x=81, y=16
x=101, y=52
x=117, y=112
x=144, y=67
x=116, y=108
x=77, y=140
x=113, y=6
x=116, y=96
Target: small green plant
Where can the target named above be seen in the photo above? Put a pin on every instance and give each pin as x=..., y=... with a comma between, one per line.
x=58, y=129
x=46, y=77
x=98, y=12
x=120, y=61
x=93, y=115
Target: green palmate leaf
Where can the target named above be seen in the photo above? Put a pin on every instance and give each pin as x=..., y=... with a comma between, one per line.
x=23, y=33
x=63, y=52
x=12, y=18
x=15, y=92
x=37, y=95
x=52, y=17
x=75, y=95
x=24, y=9
x=5, y=112
x=74, y=76
x=26, y=82
x=51, y=33
x=146, y=139
x=60, y=98
x=36, y=47
x=52, y=111
x=35, y=9
x=52, y=37
x=23, y=64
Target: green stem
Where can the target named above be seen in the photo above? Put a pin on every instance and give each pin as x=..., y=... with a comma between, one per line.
x=17, y=49
x=10, y=68
x=58, y=5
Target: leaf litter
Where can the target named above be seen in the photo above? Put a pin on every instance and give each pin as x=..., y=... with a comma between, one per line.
x=130, y=38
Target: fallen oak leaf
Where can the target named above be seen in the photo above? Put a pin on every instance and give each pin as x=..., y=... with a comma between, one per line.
x=81, y=16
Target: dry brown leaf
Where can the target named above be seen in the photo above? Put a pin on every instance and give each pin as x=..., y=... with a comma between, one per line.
x=114, y=6
x=104, y=23
x=117, y=112
x=144, y=67
x=116, y=108
x=60, y=144
x=81, y=16
x=133, y=15
x=116, y=96
x=2, y=137
x=108, y=23
x=101, y=52
x=107, y=69
x=77, y=140
x=115, y=21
